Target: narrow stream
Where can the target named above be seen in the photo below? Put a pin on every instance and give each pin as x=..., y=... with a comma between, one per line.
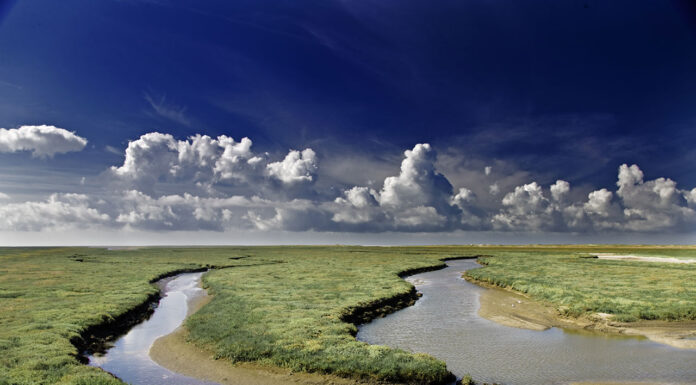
x=445, y=323
x=129, y=358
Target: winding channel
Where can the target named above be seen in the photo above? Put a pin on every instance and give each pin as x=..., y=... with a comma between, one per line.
x=129, y=357
x=445, y=323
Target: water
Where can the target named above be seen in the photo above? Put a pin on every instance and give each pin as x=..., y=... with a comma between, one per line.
x=445, y=324
x=129, y=358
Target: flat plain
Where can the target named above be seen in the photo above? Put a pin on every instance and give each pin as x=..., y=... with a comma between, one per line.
x=296, y=307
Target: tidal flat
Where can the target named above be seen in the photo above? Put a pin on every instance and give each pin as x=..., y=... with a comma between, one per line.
x=291, y=308
x=448, y=323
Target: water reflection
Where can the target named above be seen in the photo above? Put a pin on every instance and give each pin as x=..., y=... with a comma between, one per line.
x=445, y=323
x=129, y=358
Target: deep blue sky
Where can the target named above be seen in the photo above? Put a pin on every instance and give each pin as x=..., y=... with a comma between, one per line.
x=286, y=73
x=554, y=89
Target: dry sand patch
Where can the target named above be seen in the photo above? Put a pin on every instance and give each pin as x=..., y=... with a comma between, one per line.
x=643, y=259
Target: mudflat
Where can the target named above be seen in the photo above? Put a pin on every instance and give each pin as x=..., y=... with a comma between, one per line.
x=315, y=289
x=175, y=353
x=623, y=383
x=511, y=308
x=639, y=258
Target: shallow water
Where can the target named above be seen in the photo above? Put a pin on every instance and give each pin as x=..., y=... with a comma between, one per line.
x=445, y=323
x=129, y=358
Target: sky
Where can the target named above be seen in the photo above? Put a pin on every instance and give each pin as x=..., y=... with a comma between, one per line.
x=338, y=121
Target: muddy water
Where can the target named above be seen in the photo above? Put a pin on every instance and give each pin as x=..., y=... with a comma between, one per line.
x=129, y=358
x=445, y=324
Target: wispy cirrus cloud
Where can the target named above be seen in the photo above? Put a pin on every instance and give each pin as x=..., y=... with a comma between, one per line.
x=168, y=110
x=113, y=150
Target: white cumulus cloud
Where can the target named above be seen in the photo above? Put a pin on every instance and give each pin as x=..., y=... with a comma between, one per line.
x=221, y=184
x=417, y=199
x=559, y=190
x=690, y=197
x=652, y=205
x=59, y=211
x=297, y=167
x=637, y=205
x=599, y=203
x=201, y=163
x=526, y=208
x=43, y=141
x=358, y=205
x=418, y=184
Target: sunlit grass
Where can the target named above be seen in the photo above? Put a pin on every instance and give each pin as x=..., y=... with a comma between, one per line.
x=49, y=296
x=290, y=314
x=577, y=286
x=285, y=311
x=284, y=306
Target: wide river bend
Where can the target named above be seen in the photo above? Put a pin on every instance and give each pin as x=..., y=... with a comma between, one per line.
x=445, y=323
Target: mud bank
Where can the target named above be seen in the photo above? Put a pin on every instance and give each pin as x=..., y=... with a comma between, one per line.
x=175, y=352
x=511, y=308
x=367, y=312
x=98, y=337
x=446, y=323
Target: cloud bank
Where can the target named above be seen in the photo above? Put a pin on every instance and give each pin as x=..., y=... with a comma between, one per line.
x=43, y=141
x=209, y=166
x=221, y=184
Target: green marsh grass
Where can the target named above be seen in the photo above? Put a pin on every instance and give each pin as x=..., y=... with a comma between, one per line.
x=278, y=306
x=576, y=286
x=49, y=296
x=284, y=306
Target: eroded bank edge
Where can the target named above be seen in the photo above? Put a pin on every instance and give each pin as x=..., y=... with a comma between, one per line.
x=678, y=334
x=96, y=337
x=366, y=312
